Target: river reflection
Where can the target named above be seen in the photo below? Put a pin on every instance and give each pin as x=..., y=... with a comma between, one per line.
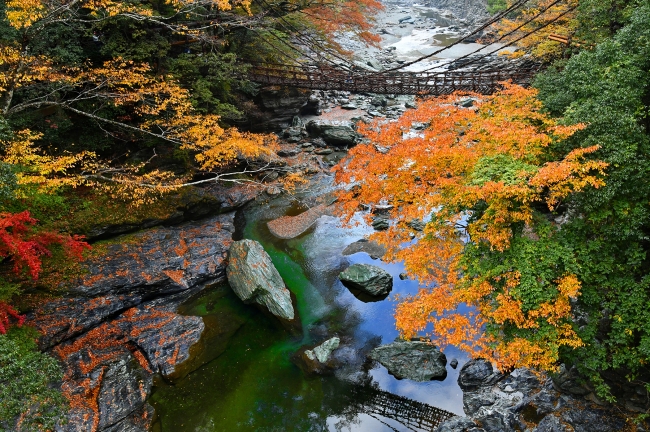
x=247, y=381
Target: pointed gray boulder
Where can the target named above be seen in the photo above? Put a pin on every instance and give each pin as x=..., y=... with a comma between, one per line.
x=254, y=278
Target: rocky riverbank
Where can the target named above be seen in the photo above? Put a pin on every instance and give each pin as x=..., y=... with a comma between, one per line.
x=526, y=401
x=118, y=325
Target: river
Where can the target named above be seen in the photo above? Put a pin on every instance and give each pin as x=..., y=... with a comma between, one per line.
x=248, y=381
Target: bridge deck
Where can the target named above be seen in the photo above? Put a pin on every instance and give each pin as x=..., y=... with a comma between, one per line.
x=411, y=414
x=416, y=83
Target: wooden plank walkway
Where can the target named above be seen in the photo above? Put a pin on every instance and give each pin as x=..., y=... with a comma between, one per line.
x=411, y=414
x=415, y=83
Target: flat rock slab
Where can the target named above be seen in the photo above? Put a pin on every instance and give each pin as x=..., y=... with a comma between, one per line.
x=163, y=260
x=417, y=361
x=288, y=227
x=119, y=326
x=108, y=371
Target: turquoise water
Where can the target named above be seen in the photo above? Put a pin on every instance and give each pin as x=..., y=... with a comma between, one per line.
x=242, y=375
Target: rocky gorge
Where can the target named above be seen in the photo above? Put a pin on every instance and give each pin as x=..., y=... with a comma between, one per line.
x=121, y=333
x=120, y=330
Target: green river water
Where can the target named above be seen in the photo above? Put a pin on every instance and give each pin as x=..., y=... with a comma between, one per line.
x=242, y=375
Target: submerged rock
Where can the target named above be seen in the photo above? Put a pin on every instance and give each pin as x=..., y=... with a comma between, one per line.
x=288, y=227
x=368, y=279
x=318, y=360
x=323, y=351
x=375, y=250
x=254, y=278
x=417, y=361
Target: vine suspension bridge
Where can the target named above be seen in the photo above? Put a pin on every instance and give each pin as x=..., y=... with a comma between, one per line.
x=415, y=83
x=344, y=76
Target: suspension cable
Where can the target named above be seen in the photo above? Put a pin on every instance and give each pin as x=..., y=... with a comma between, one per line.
x=277, y=49
x=310, y=42
x=500, y=38
x=474, y=60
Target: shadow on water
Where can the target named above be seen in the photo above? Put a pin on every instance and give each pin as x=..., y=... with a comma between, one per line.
x=241, y=378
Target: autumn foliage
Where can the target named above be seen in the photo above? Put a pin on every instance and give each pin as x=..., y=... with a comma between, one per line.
x=26, y=249
x=7, y=315
x=481, y=178
x=345, y=15
x=153, y=104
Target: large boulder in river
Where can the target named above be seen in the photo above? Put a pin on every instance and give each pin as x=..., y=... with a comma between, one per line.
x=254, y=278
x=335, y=135
x=368, y=279
x=414, y=360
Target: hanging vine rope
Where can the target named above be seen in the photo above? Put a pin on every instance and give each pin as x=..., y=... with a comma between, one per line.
x=307, y=39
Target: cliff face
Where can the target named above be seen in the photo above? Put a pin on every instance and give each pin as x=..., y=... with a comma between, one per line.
x=119, y=325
